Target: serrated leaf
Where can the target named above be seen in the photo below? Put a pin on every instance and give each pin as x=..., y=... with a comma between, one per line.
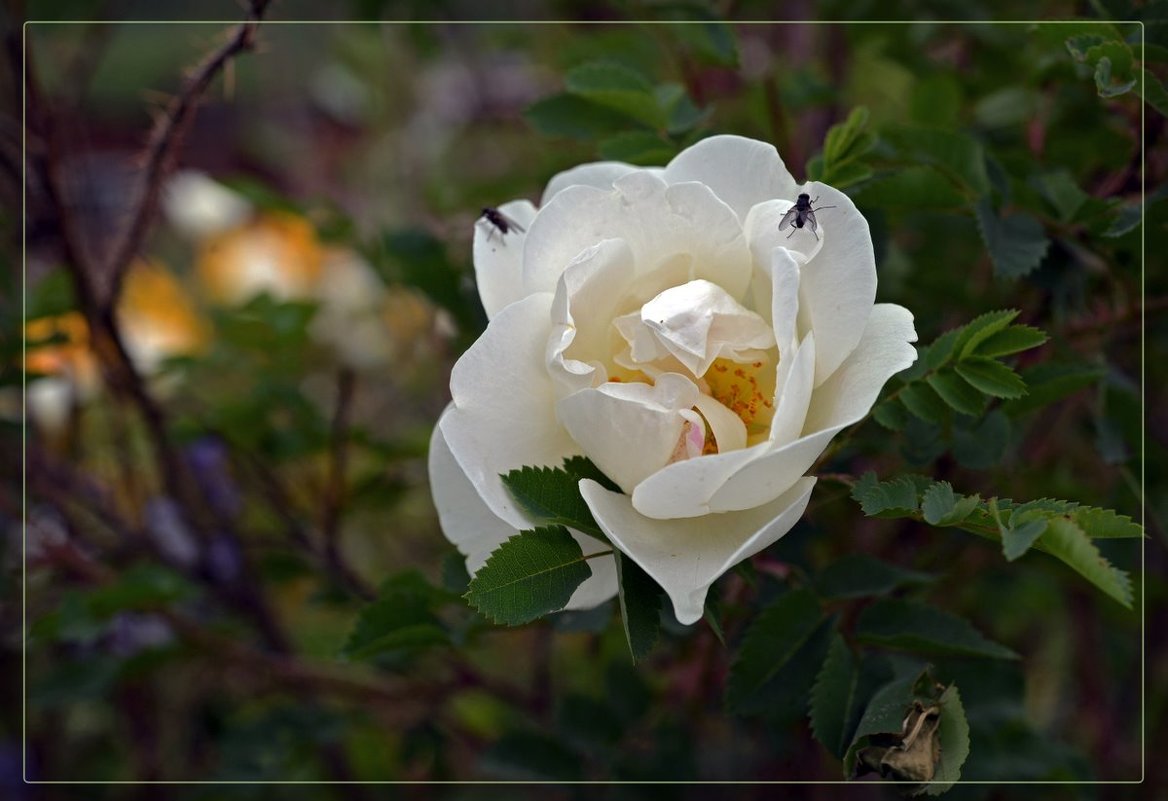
x=914, y=626
x=1106, y=523
x=640, y=605
x=771, y=642
x=1050, y=382
x=1065, y=540
x=1016, y=540
x=937, y=354
x=884, y=714
x=894, y=498
x=991, y=377
x=841, y=691
x=861, y=576
x=980, y=328
x=582, y=467
x=531, y=574
x=552, y=496
x=1017, y=244
x=617, y=87
x=953, y=732
x=943, y=507
x=891, y=414
x=400, y=618
x=1010, y=340
x=958, y=394
x=920, y=399
x=958, y=154
x=1103, y=83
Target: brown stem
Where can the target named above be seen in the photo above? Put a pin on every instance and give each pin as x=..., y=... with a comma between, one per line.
x=165, y=138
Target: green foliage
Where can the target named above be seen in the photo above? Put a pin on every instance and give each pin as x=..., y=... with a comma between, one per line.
x=640, y=606
x=842, y=690
x=913, y=626
x=552, y=497
x=1063, y=529
x=1017, y=243
x=953, y=732
x=400, y=621
x=860, y=576
x=840, y=163
x=531, y=574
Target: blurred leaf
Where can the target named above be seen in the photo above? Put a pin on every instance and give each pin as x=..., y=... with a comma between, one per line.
x=51, y=296
x=957, y=154
x=575, y=117
x=1153, y=92
x=772, y=642
x=1017, y=244
x=915, y=187
x=921, y=399
x=846, y=142
x=1104, y=84
x=637, y=147
x=917, y=627
x=640, y=605
x=1049, y=382
x=399, y=620
x=861, y=576
x=1061, y=191
x=531, y=756
x=983, y=444
x=936, y=100
x=531, y=574
x=683, y=114
x=708, y=36
x=419, y=260
x=617, y=87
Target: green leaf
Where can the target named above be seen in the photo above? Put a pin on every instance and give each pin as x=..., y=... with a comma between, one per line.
x=979, y=329
x=1049, y=382
x=644, y=148
x=894, y=498
x=891, y=414
x=531, y=757
x=958, y=154
x=884, y=714
x=1067, y=541
x=1010, y=340
x=1106, y=523
x=953, y=732
x=912, y=187
x=938, y=354
x=957, y=393
x=576, y=118
x=991, y=377
x=842, y=689
x=942, y=507
x=914, y=626
x=533, y=573
x=920, y=399
x=1153, y=92
x=984, y=444
x=582, y=467
x=1062, y=192
x=400, y=619
x=860, y=576
x=708, y=36
x=847, y=141
x=682, y=113
x=770, y=644
x=1017, y=244
x=617, y=87
x=640, y=605
x=1103, y=83
x=552, y=496
x=1017, y=540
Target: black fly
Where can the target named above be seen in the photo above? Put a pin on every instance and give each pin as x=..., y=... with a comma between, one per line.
x=802, y=214
x=500, y=222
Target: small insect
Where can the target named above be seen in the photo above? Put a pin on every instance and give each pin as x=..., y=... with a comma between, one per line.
x=500, y=222
x=801, y=214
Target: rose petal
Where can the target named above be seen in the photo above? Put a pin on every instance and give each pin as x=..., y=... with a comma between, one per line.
x=657, y=222
x=797, y=373
x=843, y=400
x=686, y=556
x=629, y=430
x=498, y=258
x=742, y=172
x=838, y=286
x=469, y=523
x=599, y=174
x=762, y=231
x=503, y=416
x=883, y=351
x=684, y=489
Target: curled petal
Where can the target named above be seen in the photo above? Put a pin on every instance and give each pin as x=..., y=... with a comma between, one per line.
x=498, y=258
x=686, y=556
x=742, y=172
x=599, y=174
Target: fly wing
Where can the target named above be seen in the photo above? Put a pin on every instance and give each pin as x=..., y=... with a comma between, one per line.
x=809, y=220
x=511, y=224
x=788, y=219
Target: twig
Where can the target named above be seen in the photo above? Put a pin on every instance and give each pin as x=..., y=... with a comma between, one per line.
x=165, y=137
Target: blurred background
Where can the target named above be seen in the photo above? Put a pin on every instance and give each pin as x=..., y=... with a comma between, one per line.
x=224, y=489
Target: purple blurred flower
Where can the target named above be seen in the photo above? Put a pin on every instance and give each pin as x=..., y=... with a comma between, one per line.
x=208, y=459
x=170, y=533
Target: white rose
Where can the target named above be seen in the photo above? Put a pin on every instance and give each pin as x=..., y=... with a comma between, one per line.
x=658, y=322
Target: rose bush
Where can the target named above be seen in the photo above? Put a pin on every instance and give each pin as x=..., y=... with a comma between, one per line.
x=659, y=323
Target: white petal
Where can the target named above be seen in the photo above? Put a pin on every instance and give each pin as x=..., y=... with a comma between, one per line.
x=466, y=519
x=629, y=430
x=503, y=416
x=843, y=400
x=599, y=174
x=198, y=206
x=728, y=429
x=795, y=378
x=684, y=489
x=838, y=286
x=658, y=223
x=470, y=525
x=742, y=172
x=585, y=304
x=686, y=556
x=498, y=258
x=762, y=231
x=884, y=351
